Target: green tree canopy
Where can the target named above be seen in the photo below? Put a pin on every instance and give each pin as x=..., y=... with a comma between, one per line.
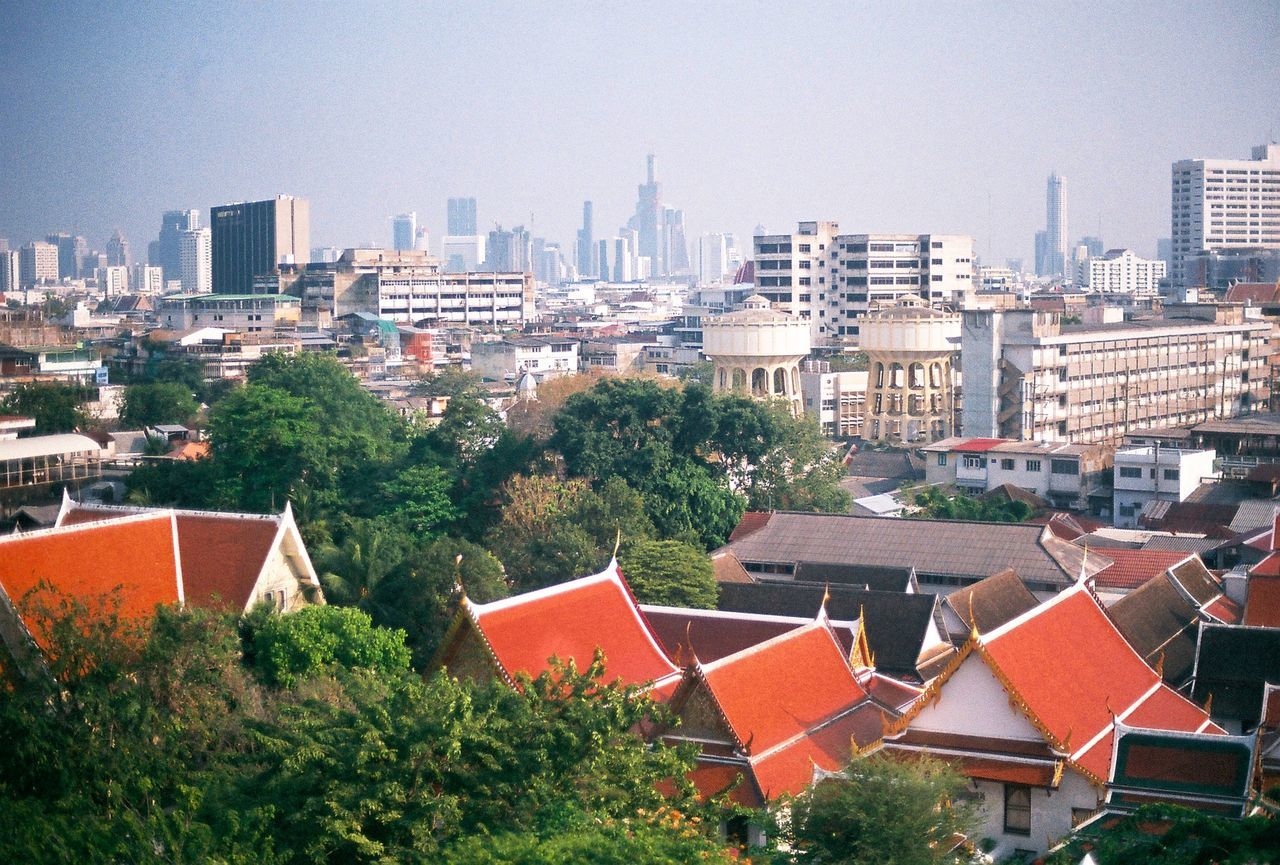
x=670, y=573
x=936, y=504
x=146, y=405
x=56, y=408
x=312, y=640
x=884, y=810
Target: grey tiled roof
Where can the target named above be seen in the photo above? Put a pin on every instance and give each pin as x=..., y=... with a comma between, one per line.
x=933, y=547
x=1254, y=514
x=1182, y=543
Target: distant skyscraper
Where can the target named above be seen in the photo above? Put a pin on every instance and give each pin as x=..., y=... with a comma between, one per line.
x=1221, y=205
x=713, y=259
x=70, y=250
x=462, y=216
x=118, y=250
x=586, y=247
x=622, y=259
x=602, y=260
x=1055, y=226
x=145, y=279
x=164, y=252
x=421, y=239
x=1164, y=252
x=254, y=238
x=403, y=229
x=647, y=219
x=10, y=277
x=1042, y=253
x=37, y=262
x=675, y=247
x=508, y=251
x=196, y=261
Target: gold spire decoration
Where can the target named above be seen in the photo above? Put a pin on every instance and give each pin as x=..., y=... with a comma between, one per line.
x=860, y=654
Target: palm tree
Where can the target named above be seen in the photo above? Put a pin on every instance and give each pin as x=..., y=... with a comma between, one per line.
x=351, y=572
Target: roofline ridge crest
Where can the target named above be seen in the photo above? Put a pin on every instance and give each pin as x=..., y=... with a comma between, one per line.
x=127, y=519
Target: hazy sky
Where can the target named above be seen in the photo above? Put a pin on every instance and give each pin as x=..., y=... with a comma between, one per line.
x=941, y=117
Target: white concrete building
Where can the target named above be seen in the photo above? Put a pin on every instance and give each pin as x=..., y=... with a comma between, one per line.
x=1147, y=473
x=910, y=391
x=113, y=281
x=1063, y=474
x=1225, y=204
x=713, y=259
x=836, y=399
x=243, y=313
x=195, y=261
x=146, y=279
x=1120, y=271
x=507, y=359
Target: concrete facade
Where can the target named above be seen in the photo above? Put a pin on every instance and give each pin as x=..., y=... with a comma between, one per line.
x=910, y=395
x=1152, y=473
x=757, y=352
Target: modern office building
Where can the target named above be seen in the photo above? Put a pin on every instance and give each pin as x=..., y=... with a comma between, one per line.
x=463, y=253
x=37, y=263
x=146, y=279
x=1223, y=205
x=648, y=217
x=71, y=249
x=10, y=272
x=421, y=239
x=1027, y=376
x=835, y=279
x=462, y=216
x=165, y=252
x=112, y=281
x=118, y=251
x=1218, y=271
x=1119, y=271
x=1055, y=251
x=587, y=266
x=195, y=261
x=254, y=238
x=404, y=227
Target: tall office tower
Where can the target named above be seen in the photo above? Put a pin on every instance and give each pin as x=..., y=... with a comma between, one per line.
x=508, y=251
x=462, y=216
x=647, y=220
x=146, y=279
x=713, y=259
x=164, y=252
x=403, y=229
x=421, y=239
x=4, y=245
x=586, y=247
x=9, y=271
x=90, y=262
x=1042, y=253
x=602, y=260
x=463, y=254
x=195, y=257
x=1093, y=245
x=254, y=238
x=1221, y=205
x=622, y=255
x=70, y=250
x=325, y=254
x=1055, y=226
x=1164, y=252
x=37, y=262
x=675, y=247
x=118, y=250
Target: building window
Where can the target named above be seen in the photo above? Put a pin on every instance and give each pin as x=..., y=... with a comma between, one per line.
x=1130, y=472
x=1171, y=474
x=1017, y=809
x=975, y=462
x=1006, y=465
x=1064, y=467
x=942, y=459
x=1033, y=465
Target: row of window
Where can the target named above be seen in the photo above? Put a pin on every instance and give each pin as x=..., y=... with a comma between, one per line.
x=1136, y=472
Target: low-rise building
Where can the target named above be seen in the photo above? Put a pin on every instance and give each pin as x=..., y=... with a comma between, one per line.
x=837, y=400
x=1119, y=271
x=1069, y=476
x=247, y=313
x=1147, y=473
x=505, y=359
x=67, y=363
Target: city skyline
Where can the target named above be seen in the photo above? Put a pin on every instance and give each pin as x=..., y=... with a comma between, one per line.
x=959, y=145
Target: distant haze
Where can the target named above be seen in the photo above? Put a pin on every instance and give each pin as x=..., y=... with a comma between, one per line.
x=937, y=117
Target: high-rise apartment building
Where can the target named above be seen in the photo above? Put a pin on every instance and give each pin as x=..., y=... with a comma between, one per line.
x=421, y=239
x=462, y=216
x=113, y=280
x=834, y=279
x=464, y=253
x=1119, y=271
x=1055, y=227
x=675, y=247
x=71, y=249
x=254, y=238
x=37, y=263
x=713, y=259
x=195, y=267
x=1029, y=377
x=118, y=250
x=146, y=279
x=165, y=252
x=1221, y=205
x=10, y=278
x=623, y=255
x=404, y=227
x=602, y=259
x=586, y=245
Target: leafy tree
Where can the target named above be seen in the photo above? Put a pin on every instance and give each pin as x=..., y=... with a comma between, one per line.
x=146, y=405
x=1172, y=835
x=609, y=844
x=420, y=598
x=935, y=504
x=884, y=810
x=615, y=511
x=700, y=372
x=451, y=381
x=419, y=498
x=669, y=573
x=352, y=571
x=467, y=430
x=293, y=647
x=56, y=408
x=266, y=443
x=536, y=418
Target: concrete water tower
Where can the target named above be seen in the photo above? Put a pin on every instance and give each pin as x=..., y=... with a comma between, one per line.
x=757, y=352
x=910, y=396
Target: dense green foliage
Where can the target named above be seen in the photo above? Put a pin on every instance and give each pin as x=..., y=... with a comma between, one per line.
x=146, y=405
x=884, y=811
x=669, y=573
x=934, y=504
x=56, y=408
x=1171, y=835
x=160, y=744
x=314, y=639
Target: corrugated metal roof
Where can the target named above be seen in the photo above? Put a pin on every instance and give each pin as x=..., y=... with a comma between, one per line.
x=46, y=446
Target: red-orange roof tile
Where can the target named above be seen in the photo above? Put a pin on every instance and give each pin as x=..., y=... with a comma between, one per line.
x=1132, y=568
x=977, y=446
x=789, y=768
x=1224, y=610
x=751, y=521
x=1262, y=598
x=222, y=554
x=570, y=621
x=134, y=557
